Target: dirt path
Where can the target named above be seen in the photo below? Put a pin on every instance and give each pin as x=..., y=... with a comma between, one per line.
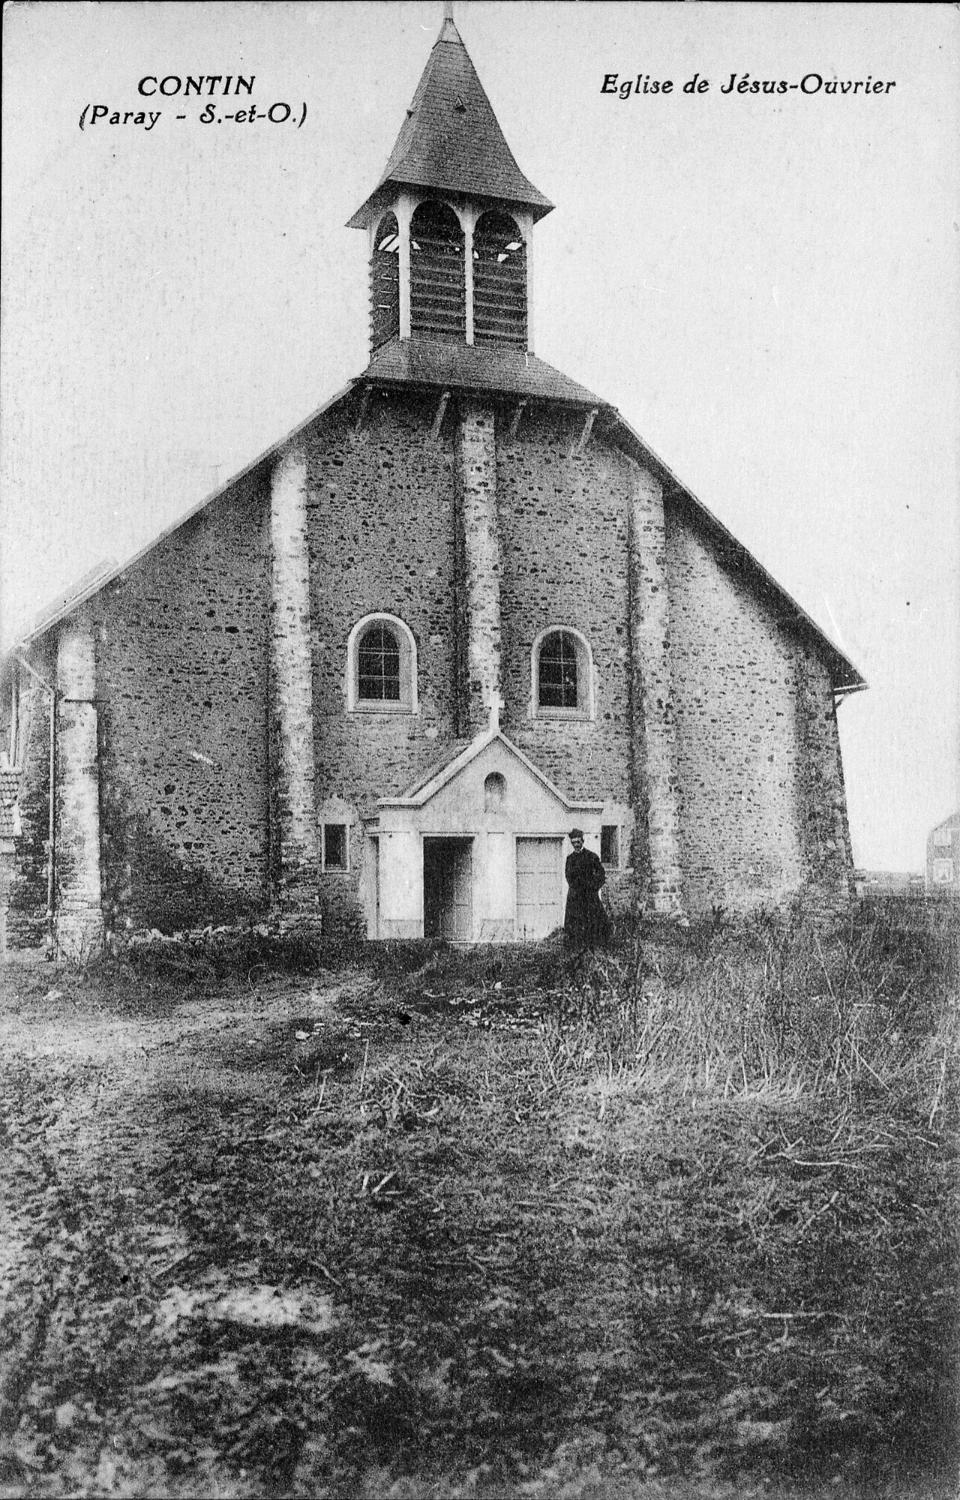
x=226, y=1205
x=104, y=1083
x=124, y=1121
x=111, y=1064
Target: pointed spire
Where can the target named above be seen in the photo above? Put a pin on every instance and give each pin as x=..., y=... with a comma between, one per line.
x=450, y=140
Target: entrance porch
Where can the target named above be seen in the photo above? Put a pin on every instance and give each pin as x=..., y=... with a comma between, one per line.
x=474, y=852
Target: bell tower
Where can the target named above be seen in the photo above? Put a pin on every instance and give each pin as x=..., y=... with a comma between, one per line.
x=451, y=220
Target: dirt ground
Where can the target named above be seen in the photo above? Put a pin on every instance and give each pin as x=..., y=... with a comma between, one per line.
x=112, y=1075
x=116, y=1067
x=190, y=1169
x=358, y=1233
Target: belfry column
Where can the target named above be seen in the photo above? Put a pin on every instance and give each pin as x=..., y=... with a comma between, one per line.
x=525, y=224
x=79, y=926
x=477, y=453
x=654, y=727
x=292, y=686
x=404, y=213
x=468, y=223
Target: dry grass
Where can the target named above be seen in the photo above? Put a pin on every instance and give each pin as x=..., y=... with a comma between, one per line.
x=778, y=1007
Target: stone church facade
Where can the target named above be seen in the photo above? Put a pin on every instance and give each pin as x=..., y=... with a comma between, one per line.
x=378, y=676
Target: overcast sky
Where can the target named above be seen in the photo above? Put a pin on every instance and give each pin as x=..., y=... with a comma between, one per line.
x=766, y=285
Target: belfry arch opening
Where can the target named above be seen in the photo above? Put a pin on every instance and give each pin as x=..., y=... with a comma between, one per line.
x=385, y=282
x=499, y=281
x=438, y=304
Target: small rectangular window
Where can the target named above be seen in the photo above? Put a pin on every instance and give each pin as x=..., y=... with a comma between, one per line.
x=942, y=838
x=610, y=844
x=334, y=846
x=943, y=871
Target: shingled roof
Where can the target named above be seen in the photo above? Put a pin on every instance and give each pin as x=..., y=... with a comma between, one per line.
x=464, y=367
x=451, y=141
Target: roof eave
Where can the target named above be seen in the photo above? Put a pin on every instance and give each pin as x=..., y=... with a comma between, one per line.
x=385, y=191
x=414, y=383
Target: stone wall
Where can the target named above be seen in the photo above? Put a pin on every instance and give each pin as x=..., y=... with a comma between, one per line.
x=291, y=689
x=183, y=643
x=382, y=525
x=7, y=871
x=655, y=778
x=27, y=923
x=740, y=749
x=564, y=529
x=820, y=790
x=77, y=900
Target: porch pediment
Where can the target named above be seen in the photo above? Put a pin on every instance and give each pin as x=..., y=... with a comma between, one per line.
x=467, y=781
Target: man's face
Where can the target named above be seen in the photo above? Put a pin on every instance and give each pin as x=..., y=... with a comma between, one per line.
x=577, y=844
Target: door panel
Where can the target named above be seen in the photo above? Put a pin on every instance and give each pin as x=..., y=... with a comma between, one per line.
x=539, y=887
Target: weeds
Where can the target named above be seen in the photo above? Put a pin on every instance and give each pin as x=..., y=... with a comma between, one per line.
x=775, y=1006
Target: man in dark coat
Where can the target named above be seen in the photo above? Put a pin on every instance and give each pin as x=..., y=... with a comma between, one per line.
x=585, y=924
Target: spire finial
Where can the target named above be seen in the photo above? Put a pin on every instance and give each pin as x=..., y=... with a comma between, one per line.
x=448, y=10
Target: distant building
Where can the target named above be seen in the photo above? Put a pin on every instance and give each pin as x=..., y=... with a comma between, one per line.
x=943, y=858
x=888, y=883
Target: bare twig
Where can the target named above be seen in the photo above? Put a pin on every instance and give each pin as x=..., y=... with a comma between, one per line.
x=363, y=1071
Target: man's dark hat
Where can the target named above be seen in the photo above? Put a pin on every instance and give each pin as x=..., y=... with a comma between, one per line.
x=576, y=833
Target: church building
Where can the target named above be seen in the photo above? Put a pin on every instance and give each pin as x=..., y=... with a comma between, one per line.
x=376, y=678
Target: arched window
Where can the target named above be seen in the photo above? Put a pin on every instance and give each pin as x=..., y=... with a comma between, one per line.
x=438, y=301
x=385, y=282
x=562, y=671
x=557, y=675
x=499, y=282
x=381, y=666
x=378, y=665
x=494, y=791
